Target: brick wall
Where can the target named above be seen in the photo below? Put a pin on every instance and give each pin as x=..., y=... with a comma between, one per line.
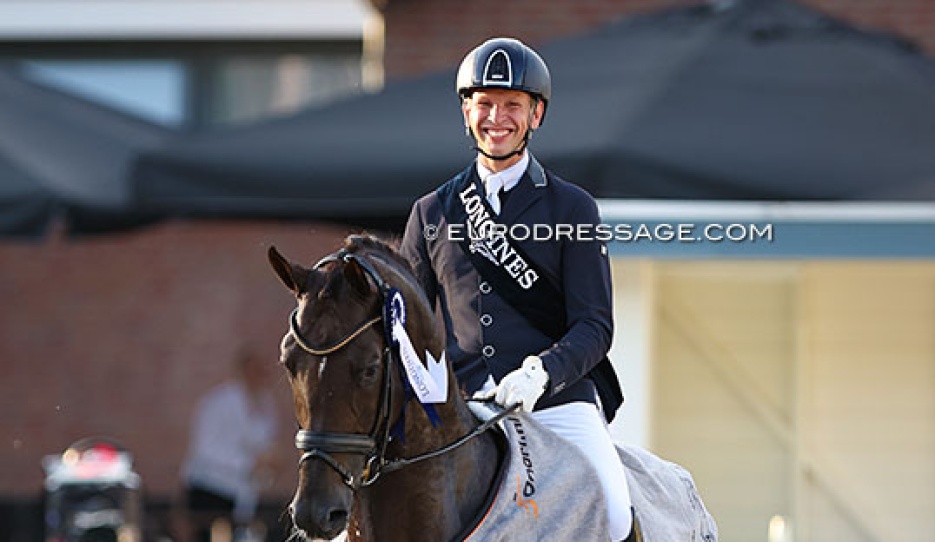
x=119, y=336
x=426, y=35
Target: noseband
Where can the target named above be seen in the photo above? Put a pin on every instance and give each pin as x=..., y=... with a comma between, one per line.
x=320, y=445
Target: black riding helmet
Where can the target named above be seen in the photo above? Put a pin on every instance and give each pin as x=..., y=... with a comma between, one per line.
x=505, y=63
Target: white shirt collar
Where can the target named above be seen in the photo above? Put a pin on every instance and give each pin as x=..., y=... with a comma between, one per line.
x=510, y=175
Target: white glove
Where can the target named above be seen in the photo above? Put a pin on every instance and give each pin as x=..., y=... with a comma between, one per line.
x=524, y=385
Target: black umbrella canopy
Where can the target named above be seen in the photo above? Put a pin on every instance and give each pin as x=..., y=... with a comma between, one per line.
x=756, y=100
x=366, y=156
x=56, y=146
x=763, y=100
x=26, y=206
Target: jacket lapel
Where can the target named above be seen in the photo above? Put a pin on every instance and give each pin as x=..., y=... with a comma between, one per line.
x=524, y=195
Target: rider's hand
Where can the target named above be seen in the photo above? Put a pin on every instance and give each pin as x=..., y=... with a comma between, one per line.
x=524, y=385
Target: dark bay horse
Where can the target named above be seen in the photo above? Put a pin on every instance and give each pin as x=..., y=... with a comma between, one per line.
x=348, y=396
x=380, y=465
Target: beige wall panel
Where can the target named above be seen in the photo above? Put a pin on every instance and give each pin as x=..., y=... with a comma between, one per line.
x=871, y=397
x=722, y=386
x=800, y=389
x=829, y=522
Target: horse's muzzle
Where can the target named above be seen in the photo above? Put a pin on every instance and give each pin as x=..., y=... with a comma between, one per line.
x=319, y=519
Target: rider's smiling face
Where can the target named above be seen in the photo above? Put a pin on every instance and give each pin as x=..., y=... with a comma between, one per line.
x=499, y=119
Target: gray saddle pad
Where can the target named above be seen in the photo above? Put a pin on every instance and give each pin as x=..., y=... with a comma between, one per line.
x=549, y=491
x=668, y=505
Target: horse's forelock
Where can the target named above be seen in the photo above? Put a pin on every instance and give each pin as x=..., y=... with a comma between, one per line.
x=370, y=244
x=331, y=290
x=384, y=255
x=332, y=283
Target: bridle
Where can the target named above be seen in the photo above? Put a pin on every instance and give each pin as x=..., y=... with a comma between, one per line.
x=321, y=445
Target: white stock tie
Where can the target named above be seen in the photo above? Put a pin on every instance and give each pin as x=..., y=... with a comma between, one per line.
x=493, y=185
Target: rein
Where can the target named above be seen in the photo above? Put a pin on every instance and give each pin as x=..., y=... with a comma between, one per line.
x=396, y=464
x=320, y=445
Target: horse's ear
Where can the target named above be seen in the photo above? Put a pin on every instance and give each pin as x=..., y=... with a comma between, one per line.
x=292, y=275
x=356, y=277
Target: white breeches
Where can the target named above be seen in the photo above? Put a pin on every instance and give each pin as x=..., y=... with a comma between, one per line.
x=584, y=425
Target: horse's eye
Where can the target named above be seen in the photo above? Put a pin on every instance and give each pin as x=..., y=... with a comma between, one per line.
x=369, y=374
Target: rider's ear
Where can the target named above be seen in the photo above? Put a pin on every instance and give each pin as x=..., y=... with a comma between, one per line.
x=357, y=278
x=292, y=275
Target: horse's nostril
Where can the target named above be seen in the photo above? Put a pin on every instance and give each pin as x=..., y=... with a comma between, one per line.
x=334, y=521
x=321, y=521
x=337, y=517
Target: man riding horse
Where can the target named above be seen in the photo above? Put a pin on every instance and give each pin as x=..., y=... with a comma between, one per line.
x=528, y=320
x=385, y=455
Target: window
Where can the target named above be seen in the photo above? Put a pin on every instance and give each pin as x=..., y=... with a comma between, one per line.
x=200, y=84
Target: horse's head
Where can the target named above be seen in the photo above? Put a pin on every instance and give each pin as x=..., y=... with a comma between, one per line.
x=346, y=394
